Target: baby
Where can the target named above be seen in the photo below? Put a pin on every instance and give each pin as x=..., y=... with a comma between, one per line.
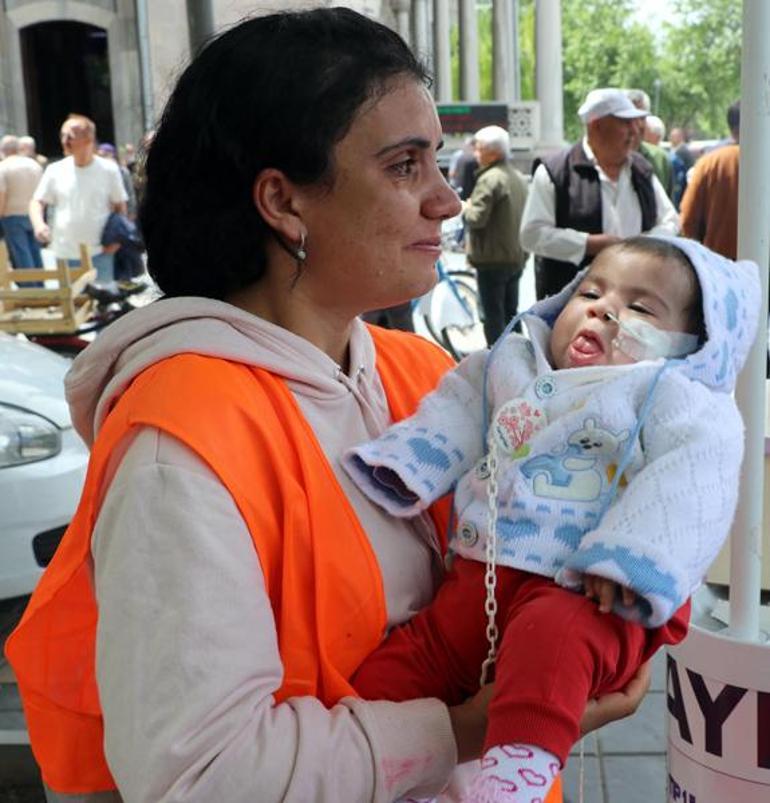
x=601, y=456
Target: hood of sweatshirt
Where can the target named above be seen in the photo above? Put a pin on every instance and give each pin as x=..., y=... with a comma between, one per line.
x=203, y=326
x=731, y=295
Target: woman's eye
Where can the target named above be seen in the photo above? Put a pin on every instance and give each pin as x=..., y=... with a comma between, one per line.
x=403, y=168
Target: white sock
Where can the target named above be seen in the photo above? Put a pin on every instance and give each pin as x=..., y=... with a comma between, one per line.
x=514, y=773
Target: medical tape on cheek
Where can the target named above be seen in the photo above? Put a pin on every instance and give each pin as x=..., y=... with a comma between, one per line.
x=640, y=340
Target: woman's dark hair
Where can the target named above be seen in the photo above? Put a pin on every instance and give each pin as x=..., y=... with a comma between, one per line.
x=275, y=91
x=654, y=247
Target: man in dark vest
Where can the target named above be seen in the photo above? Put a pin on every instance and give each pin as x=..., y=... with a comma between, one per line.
x=592, y=194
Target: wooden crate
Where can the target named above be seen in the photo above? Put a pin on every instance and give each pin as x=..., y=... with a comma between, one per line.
x=58, y=309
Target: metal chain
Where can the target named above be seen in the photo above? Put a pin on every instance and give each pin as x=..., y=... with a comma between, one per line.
x=490, y=577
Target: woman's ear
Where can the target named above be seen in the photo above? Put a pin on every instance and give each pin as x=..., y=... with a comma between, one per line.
x=274, y=198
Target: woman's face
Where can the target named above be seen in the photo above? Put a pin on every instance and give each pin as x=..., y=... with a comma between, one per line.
x=374, y=238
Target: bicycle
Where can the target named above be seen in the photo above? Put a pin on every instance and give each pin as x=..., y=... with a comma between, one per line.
x=451, y=311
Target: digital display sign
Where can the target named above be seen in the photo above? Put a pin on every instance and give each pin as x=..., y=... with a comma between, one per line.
x=468, y=118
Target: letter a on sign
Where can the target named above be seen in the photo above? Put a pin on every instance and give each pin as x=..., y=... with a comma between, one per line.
x=675, y=701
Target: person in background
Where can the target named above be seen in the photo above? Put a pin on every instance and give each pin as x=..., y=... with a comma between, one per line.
x=19, y=177
x=710, y=202
x=492, y=217
x=649, y=146
x=129, y=157
x=654, y=130
x=678, y=139
x=592, y=194
x=83, y=188
x=463, y=169
x=194, y=636
x=107, y=151
x=28, y=147
x=682, y=160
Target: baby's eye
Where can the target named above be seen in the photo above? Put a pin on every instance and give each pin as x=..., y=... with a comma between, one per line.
x=592, y=294
x=403, y=168
x=641, y=309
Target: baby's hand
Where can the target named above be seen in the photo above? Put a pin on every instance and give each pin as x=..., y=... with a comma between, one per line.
x=604, y=592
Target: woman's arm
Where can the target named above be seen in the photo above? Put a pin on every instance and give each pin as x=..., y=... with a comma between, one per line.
x=187, y=661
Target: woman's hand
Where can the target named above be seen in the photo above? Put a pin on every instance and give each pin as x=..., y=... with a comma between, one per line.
x=469, y=723
x=469, y=719
x=618, y=704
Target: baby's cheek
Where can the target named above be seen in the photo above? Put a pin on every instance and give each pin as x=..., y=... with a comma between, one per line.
x=618, y=357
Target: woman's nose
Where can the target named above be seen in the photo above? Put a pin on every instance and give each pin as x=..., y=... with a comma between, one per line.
x=442, y=202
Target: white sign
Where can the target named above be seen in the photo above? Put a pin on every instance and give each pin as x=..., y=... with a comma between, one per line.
x=718, y=693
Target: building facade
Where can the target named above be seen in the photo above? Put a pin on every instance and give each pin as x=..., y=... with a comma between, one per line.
x=117, y=60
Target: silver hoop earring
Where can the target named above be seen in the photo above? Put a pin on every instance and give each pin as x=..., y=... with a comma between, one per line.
x=301, y=253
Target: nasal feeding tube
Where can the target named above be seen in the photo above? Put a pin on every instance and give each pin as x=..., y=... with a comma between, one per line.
x=642, y=341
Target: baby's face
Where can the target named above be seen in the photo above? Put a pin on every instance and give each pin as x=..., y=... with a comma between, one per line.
x=620, y=284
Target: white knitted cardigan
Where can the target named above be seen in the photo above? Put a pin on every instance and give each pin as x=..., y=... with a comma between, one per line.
x=626, y=472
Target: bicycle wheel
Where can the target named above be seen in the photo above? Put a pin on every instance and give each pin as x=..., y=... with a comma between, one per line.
x=462, y=336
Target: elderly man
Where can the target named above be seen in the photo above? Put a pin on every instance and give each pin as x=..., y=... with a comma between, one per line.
x=19, y=177
x=492, y=217
x=592, y=194
x=649, y=146
x=84, y=189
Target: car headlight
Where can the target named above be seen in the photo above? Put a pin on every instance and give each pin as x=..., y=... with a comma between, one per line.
x=26, y=437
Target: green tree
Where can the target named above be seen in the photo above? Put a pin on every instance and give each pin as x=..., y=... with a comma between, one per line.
x=700, y=65
x=695, y=59
x=603, y=46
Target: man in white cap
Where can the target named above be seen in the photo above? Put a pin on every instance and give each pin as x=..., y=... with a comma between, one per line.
x=592, y=194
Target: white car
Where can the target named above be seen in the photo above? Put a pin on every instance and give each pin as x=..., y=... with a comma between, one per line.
x=42, y=462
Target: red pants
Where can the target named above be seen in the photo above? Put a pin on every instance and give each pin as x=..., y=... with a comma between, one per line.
x=556, y=652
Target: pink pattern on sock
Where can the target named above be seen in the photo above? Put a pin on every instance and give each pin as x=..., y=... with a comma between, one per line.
x=516, y=750
x=492, y=789
x=555, y=769
x=487, y=762
x=532, y=778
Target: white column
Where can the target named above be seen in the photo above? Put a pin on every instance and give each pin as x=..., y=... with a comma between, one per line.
x=442, y=60
x=502, y=51
x=516, y=60
x=401, y=10
x=421, y=40
x=548, y=73
x=754, y=244
x=469, y=51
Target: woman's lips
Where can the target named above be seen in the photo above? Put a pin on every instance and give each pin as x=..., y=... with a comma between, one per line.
x=429, y=246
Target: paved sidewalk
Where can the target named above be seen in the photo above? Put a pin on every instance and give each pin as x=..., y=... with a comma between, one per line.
x=625, y=761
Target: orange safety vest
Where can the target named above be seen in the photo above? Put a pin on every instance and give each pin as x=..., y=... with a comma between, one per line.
x=244, y=423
